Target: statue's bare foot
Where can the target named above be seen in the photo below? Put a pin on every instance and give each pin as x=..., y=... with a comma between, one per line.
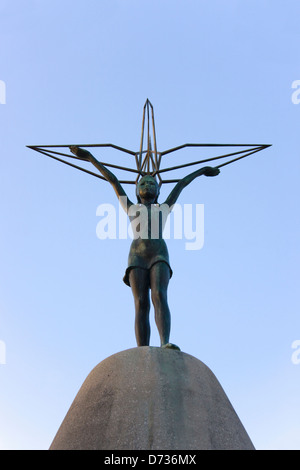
x=170, y=346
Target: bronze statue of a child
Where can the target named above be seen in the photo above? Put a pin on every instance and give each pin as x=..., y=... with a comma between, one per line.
x=148, y=263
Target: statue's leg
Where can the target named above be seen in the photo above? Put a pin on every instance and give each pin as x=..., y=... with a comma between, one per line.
x=159, y=280
x=139, y=283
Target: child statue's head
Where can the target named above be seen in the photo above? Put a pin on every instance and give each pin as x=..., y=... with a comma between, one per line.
x=147, y=189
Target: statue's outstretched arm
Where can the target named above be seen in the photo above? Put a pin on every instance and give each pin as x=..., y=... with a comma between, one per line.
x=174, y=194
x=108, y=175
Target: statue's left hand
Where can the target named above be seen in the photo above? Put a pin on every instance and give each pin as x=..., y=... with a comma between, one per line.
x=79, y=152
x=210, y=171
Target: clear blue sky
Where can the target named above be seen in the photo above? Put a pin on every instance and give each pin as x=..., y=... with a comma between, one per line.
x=80, y=72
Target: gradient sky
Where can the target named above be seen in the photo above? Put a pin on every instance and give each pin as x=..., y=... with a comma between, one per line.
x=216, y=72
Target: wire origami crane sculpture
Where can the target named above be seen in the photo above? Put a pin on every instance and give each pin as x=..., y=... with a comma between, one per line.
x=149, y=160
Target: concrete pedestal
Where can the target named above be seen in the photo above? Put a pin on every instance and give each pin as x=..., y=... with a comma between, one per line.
x=151, y=398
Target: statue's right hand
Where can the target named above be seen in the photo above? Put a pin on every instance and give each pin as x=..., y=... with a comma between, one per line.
x=211, y=171
x=81, y=153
